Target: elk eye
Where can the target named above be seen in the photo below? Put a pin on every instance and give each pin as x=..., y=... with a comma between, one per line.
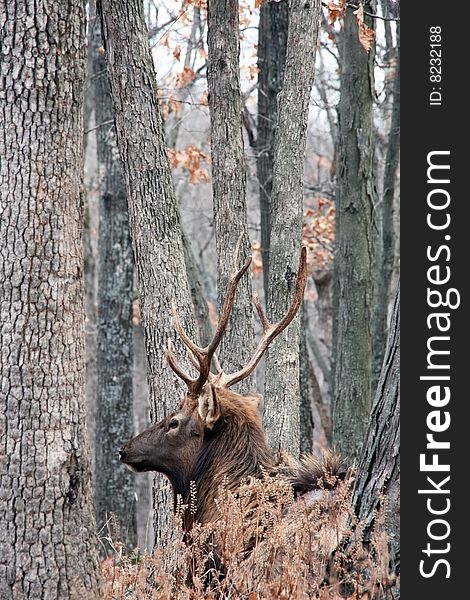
x=173, y=424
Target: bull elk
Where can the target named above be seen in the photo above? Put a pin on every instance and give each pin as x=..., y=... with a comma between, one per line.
x=216, y=434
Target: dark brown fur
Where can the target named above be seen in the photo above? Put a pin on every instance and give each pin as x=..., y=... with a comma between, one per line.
x=235, y=449
x=312, y=473
x=214, y=440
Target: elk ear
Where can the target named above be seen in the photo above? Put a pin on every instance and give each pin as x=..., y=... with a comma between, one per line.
x=209, y=407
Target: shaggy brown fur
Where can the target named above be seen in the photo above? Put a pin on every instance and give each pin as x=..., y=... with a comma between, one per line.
x=234, y=450
x=312, y=473
x=214, y=447
x=218, y=440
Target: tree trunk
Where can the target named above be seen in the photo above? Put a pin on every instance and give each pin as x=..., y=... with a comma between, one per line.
x=272, y=46
x=114, y=359
x=379, y=470
x=320, y=400
x=353, y=267
x=90, y=228
x=48, y=546
x=143, y=484
x=228, y=177
x=307, y=390
x=282, y=393
x=153, y=211
x=388, y=236
x=201, y=309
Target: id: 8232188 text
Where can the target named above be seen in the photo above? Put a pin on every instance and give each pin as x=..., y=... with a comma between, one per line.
x=435, y=65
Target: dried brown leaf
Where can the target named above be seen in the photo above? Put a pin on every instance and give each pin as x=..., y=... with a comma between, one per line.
x=366, y=34
x=366, y=37
x=185, y=77
x=177, y=52
x=336, y=11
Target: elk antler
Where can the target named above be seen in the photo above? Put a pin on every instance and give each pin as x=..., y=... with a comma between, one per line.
x=271, y=331
x=201, y=357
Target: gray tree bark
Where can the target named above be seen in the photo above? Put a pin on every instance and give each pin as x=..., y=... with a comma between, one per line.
x=201, y=309
x=308, y=389
x=379, y=470
x=114, y=359
x=320, y=400
x=90, y=251
x=48, y=546
x=388, y=235
x=282, y=393
x=228, y=177
x=353, y=266
x=143, y=485
x=153, y=211
x=272, y=47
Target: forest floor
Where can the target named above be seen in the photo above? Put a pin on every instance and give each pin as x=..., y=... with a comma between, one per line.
x=266, y=545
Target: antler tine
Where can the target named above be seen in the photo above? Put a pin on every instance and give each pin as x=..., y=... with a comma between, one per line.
x=208, y=352
x=195, y=349
x=217, y=363
x=259, y=309
x=229, y=298
x=171, y=359
x=236, y=256
x=272, y=331
x=203, y=356
x=192, y=359
x=299, y=291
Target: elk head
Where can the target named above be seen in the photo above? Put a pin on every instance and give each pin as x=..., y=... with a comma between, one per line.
x=175, y=444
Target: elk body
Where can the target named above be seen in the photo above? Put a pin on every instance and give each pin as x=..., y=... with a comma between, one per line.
x=216, y=435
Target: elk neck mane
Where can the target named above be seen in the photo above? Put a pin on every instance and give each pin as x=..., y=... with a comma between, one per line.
x=236, y=448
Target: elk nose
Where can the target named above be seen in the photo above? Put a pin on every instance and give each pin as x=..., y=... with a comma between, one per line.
x=122, y=454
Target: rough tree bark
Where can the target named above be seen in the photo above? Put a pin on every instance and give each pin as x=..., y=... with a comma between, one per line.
x=272, y=47
x=153, y=211
x=379, y=470
x=308, y=388
x=282, y=392
x=201, y=309
x=228, y=176
x=48, y=546
x=388, y=236
x=114, y=358
x=142, y=485
x=353, y=266
x=90, y=251
x=320, y=400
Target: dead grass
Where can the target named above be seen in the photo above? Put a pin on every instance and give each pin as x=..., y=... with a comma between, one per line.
x=264, y=546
